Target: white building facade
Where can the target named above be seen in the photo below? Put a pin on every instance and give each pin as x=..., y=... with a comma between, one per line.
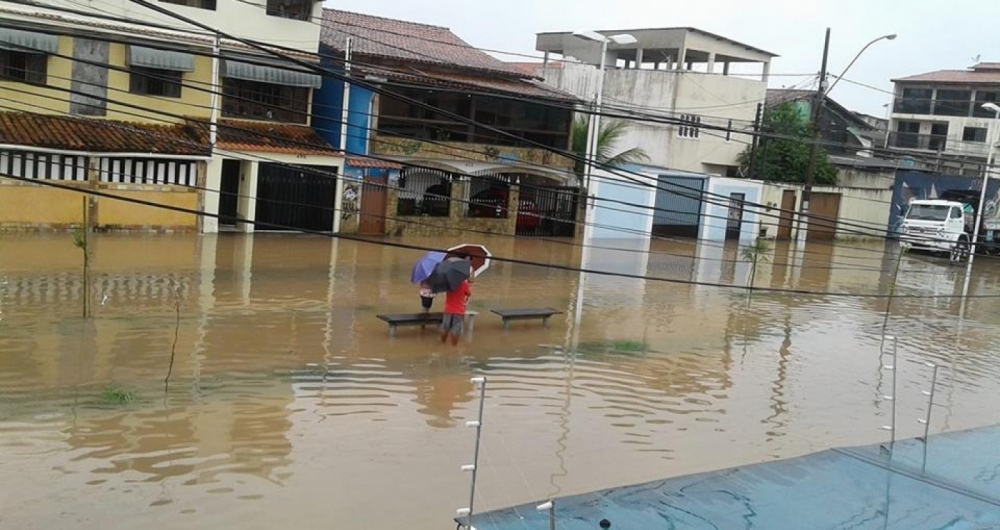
x=704, y=87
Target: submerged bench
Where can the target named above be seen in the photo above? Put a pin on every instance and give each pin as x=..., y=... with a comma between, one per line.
x=542, y=313
x=423, y=319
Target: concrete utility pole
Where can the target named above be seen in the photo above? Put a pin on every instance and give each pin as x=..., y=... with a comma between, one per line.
x=817, y=113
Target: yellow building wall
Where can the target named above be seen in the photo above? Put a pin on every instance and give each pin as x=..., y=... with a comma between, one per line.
x=193, y=102
x=112, y=213
x=52, y=99
x=36, y=206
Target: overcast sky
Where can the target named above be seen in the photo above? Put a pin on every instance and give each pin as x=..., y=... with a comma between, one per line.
x=933, y=35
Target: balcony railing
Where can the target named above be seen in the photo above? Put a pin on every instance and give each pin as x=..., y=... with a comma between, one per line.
x=926, y=142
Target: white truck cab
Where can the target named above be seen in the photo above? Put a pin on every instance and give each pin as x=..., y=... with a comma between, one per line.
x=938, y=226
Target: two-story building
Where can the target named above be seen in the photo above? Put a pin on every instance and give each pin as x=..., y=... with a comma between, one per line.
x=130, y=102
x=689, y=78
x=939, y=119
x=429, y=168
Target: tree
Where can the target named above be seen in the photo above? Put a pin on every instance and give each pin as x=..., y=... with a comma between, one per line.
x=783, y=154
x=610, y=135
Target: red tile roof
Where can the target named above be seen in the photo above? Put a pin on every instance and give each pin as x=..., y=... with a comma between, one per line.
x=982, y=76
x=99, y=135
x=530, y=68
x=270, y=137
x=372, y=163
x=406, y=41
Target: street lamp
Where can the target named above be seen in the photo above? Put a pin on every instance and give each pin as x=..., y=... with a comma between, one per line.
x=849, y=65
x=817, y=112
x=986, y=178
x=593, y=131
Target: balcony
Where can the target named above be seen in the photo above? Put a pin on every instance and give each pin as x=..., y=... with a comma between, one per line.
x=924, y=142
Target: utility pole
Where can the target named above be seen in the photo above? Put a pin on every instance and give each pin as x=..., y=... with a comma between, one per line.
x=817, y=113
x=756, y=140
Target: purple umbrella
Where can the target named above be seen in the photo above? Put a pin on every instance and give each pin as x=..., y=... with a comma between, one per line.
x=425, y=266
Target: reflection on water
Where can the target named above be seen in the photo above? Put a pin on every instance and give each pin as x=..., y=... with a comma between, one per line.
x=288, y=403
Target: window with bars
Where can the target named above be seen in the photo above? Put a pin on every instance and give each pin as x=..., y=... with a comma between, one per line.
x=254, y=100
x=690, y=126
x=23, y=67
x=155, y=82
x=43, y=166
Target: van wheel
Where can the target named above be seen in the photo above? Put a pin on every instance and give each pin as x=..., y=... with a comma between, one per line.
x=960, y=250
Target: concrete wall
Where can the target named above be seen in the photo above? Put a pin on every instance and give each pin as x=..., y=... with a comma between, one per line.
x=395, y=146
x=716, y=98
x=864, y=178
x=715, y=209
x=632, y=217
x=35, y=207
x=864, y=213
x=456, y=223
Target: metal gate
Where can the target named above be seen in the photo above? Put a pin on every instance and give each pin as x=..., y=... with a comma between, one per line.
x=298, y=198
x=547, y=211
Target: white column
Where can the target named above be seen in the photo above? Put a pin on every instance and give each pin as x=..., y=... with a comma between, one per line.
x=725, y=68
x=767, y=71
x=638, y=59
x=213, y=186
x=682, y=57
x=711, y=63
x=248, y=190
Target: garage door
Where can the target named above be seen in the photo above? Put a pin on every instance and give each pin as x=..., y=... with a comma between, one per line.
x=295, y=198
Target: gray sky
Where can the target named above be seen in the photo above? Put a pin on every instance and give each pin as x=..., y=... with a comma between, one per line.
x=933, y=35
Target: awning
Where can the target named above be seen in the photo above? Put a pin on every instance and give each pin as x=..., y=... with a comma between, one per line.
x=28, y=41
x=160, y=59
x=268, y=74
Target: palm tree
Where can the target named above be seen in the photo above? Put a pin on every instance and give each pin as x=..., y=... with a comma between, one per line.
x=611, y=133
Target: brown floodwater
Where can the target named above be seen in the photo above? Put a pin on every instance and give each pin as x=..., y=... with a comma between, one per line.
x=289, y=406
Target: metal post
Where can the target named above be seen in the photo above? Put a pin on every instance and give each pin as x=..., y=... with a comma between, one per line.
x=894, y=367
x=982, y=194
x=474, y=466
x=926, y=420
x=344, y=117
x=593, y=132
x=814, y=146
x=551, y=508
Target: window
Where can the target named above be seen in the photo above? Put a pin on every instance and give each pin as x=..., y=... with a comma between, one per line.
x=154, y=82
x=23, y=67
x=534, y=122
x=293, y=9
x=982, y=97
x=974, y=134
x=952, y=102
x=200, y=4
x=907, y=134
x=939, y=137
x=914, y=101
x=956, y=213
x=254, y=100
x=689, y=126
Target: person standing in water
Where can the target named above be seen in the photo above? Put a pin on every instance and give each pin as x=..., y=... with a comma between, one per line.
x=455, y=303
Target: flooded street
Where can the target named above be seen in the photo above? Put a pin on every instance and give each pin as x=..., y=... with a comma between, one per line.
x=288, y=405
